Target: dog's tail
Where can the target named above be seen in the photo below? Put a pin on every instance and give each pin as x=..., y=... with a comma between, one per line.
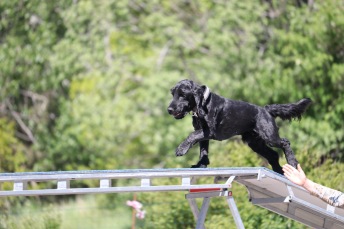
x=290, y=110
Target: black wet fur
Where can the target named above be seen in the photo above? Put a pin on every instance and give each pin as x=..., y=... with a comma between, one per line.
x=219, y=118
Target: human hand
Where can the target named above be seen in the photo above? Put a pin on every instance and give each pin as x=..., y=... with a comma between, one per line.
x=297, y=176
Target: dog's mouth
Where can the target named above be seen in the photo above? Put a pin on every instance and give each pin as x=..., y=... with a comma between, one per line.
x=179, y=115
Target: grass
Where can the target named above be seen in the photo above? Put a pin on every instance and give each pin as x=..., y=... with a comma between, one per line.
x=83, y=213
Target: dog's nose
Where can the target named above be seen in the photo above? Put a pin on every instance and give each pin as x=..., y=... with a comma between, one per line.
x=170, y=110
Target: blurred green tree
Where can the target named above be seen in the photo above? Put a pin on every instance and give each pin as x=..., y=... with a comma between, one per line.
x=85, y=84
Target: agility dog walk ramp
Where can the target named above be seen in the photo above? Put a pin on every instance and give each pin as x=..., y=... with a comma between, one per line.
x=266, y=189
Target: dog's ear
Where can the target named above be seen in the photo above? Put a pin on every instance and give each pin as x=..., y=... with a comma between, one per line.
x=172, y=90
x=198, y=92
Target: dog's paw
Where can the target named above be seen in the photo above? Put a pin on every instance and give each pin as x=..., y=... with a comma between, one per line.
x=182, y=149
x=179, y=153
x=278, y=170
x=293, y=162
x=199, y=166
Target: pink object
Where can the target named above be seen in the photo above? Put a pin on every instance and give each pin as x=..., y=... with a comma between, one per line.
x=135, y=204
x=140, y=214
x=137, y=207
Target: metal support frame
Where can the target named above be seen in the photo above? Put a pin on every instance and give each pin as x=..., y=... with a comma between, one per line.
x=235, y=212
x=200, y=214
x=266, y=189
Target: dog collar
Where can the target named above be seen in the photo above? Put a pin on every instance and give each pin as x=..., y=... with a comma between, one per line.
x=206, y=93
x=205, y=97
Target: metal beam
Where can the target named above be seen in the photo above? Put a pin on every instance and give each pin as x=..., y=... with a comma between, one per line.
x=235, y=213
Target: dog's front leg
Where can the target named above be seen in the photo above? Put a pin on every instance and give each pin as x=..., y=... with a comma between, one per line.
x=192, y=139
x=203, y=156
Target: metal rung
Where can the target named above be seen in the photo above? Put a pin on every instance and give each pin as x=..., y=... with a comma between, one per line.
x=330, y=208
x=105, y=183
x=145, y=182
x=19, y=186
x=186, y=181
x=63, y=184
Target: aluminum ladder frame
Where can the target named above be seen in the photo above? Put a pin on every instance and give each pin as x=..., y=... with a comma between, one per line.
x=266, y=189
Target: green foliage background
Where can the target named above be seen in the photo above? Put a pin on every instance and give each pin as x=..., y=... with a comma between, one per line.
x=85, y=85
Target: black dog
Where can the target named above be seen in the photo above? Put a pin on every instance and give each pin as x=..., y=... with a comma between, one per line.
x=218, y=118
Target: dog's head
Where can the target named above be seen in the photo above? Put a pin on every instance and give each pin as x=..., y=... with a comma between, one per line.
x=188, y=96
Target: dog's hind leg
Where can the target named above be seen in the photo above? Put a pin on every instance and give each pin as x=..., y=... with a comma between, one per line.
x=203, y=156
x=267, y=129
x=284, y=144
x=258, y=145
x=288, y=152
